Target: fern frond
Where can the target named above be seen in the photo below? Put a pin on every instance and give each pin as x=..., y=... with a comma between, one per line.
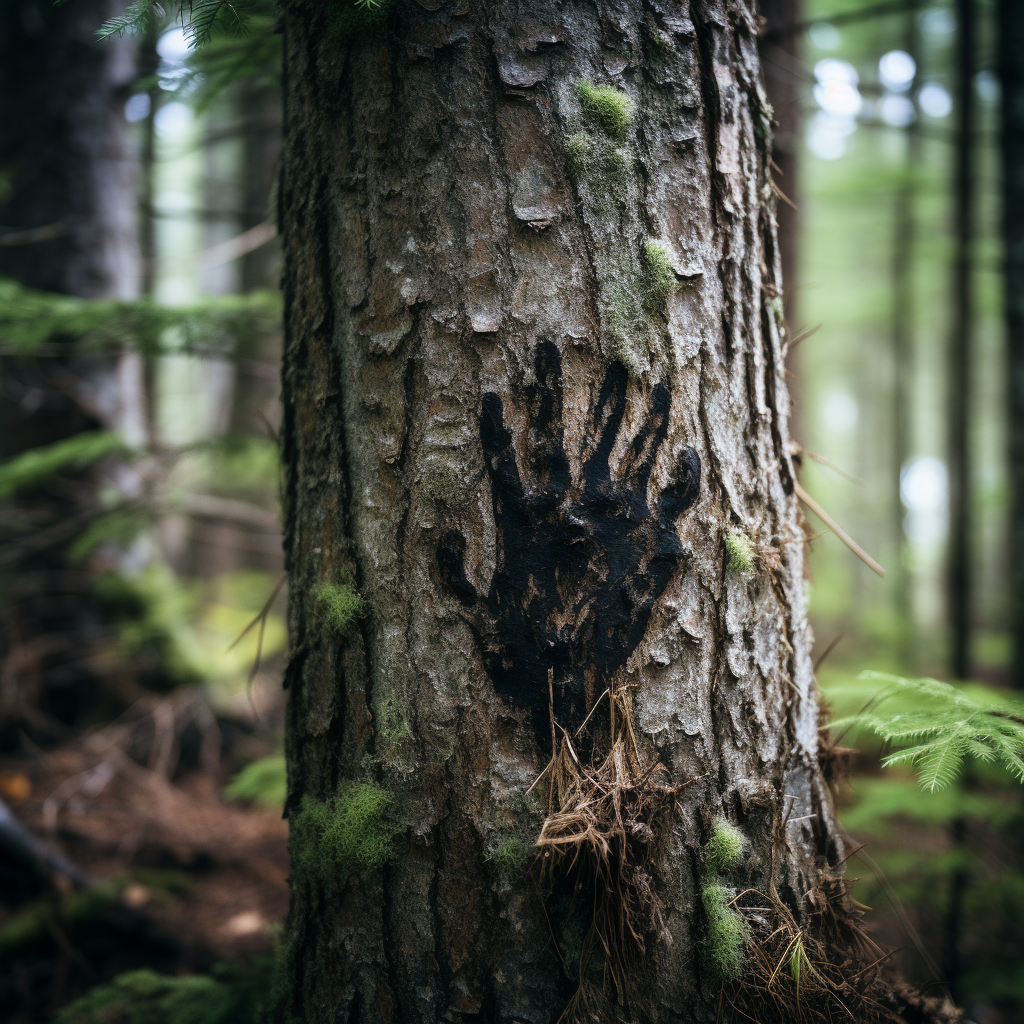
x=937, y=726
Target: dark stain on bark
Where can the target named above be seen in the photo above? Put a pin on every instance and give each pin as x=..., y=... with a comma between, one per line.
x=580, y=563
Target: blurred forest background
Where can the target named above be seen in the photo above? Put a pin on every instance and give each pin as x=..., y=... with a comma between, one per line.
x=142, y=597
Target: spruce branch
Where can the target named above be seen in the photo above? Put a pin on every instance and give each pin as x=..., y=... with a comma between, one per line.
x=936, y=726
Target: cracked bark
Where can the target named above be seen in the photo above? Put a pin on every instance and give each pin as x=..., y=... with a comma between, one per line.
x=438, y=233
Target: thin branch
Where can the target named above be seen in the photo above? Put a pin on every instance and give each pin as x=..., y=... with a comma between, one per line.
x=838, y=530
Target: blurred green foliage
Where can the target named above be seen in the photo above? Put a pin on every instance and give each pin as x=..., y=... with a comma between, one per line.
x=228, y=324
x=230, y=994
x=263, y=782
x=38, y=464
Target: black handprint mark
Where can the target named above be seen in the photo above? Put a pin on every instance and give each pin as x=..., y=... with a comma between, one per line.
x=580, y=563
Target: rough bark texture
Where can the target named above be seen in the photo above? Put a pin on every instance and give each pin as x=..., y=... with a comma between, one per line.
x=1011, y=73
x=526, y=449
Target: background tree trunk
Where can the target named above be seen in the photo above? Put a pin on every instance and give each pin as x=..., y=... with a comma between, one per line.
x=1011, y=73
x=63, y=148
x=485, y=360
x=67, y=225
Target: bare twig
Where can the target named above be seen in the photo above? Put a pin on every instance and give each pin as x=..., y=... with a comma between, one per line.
x=838, y=530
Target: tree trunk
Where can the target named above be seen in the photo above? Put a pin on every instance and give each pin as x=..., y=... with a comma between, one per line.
x=535, y=412
x=63, y=149
x=1011, y=72
x=958, y=570
x=68, y=226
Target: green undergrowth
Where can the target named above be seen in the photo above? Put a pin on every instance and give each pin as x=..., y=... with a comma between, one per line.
x=340, y=605
x=261, y=782
x=230, y=994
x=353, y=833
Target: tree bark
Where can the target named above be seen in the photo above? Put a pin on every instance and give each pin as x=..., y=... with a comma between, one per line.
x=549, y=471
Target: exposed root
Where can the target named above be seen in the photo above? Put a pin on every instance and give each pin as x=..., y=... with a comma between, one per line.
x=600, y=833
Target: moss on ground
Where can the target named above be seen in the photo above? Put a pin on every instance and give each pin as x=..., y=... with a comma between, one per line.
x=230, y=994
x=352, y=833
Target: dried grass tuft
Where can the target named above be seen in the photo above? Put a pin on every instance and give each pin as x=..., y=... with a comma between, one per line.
x=600, y=832
x=829, y=971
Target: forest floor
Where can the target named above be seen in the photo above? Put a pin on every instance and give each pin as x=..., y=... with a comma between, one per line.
x=178, y=880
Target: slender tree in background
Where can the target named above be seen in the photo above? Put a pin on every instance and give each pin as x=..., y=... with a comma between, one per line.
x=67, y=173
x=958, y=580
x=68, y=226
x=1011, y=73
x=541, y=523
x=902, y=327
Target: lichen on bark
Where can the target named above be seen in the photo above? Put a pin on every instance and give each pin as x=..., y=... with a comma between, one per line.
x=446, y=251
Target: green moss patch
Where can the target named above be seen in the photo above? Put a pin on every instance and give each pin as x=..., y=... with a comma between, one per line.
x=725, y=950
x=511, y=857
x=724, y=849
x=340, y=605
x=351, y=834
x=606, y=109
x=660, y=275
x=740, y=552
x=231, y=994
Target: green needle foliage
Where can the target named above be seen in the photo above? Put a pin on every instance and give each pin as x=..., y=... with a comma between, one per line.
x=37, y=323
x=936, y=726
x=37, y=464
